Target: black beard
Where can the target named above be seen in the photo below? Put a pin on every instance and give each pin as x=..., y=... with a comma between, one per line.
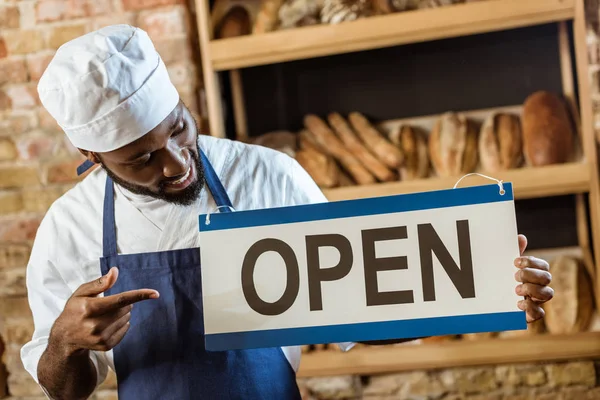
x=184, y=198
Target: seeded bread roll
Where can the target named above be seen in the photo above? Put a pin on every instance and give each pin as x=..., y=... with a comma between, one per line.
x=500, y=142
x=547, y=130
x=334, y=147
x=356, y=147
x=453, y=145
x=413, y=144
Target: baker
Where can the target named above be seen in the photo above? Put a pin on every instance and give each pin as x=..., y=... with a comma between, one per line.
x=114, y=275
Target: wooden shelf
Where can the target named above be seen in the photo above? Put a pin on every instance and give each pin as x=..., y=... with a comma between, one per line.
x=410, y=357
x=385, y=31
x=552, y=180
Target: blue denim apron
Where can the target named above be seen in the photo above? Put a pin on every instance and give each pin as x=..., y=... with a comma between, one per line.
x=162, y=356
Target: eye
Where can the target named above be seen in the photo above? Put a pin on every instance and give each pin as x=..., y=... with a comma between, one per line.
x=180, y=129
x=142, y=161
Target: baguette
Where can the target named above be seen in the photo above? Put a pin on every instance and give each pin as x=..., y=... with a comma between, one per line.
x=379, y=145
x=356, y=147
x=319, y=166
x=330, y=143
x=306, y=140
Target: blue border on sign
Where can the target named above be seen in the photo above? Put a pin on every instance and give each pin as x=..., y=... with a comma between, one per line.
x=358, y=207
x=404, y=329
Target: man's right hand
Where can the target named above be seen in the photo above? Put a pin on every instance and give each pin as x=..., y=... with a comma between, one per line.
x=89, y=322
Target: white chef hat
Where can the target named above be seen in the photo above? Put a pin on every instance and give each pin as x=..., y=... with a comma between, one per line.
x=107, y=88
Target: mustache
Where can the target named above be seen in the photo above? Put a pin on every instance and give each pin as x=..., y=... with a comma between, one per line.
x=194, y=160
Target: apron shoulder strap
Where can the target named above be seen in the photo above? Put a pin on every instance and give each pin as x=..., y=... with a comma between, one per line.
x=215, y=186
x=109, y=233
x=87, y=164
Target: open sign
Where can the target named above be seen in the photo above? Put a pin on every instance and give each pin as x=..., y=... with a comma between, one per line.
x=423, y=264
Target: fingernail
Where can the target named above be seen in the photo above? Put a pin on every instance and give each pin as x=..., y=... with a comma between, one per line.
x=519, y=289
x=154, y=295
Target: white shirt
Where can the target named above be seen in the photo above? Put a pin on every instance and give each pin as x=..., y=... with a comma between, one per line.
x=68, y=244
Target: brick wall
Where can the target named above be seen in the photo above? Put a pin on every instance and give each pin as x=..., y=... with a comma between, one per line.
x=37, y=163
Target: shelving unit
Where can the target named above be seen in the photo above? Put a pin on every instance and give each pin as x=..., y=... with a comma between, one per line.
x=578, y=177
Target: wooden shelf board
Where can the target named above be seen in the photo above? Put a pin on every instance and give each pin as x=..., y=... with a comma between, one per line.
x=409, y=357
x=385, y=31
x=528, y=182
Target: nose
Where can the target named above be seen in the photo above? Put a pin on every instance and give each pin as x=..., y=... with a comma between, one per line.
x=175, y=162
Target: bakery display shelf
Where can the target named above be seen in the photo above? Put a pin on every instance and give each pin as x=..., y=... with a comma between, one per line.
x=572, y=177
x=528, y=182
x=447, y=354
x=383, y=31
x=578, y=175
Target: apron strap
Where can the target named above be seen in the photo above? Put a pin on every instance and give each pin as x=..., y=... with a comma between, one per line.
x=215, y=186
x=87, y=164
x=109, y=234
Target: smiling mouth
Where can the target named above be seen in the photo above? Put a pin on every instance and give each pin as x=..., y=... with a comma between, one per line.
x=181, y=182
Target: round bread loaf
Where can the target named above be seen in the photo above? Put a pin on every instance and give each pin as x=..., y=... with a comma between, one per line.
x=547, y=130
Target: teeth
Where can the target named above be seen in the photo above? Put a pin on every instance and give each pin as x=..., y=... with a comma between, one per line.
x=183, y=178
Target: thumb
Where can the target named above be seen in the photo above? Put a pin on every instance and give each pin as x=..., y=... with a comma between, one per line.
x=100, y=285
x=522, y=244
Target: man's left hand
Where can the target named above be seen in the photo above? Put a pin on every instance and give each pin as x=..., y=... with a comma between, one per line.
x=535, y=277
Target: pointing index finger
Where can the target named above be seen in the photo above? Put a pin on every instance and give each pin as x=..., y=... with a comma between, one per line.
x=120, y=300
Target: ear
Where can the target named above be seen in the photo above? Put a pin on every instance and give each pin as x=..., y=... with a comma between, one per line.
x=90, y=155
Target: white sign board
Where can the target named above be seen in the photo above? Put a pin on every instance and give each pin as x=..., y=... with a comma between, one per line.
x=405, y=266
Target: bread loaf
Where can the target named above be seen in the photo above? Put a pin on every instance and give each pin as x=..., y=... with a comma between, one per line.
x=321, y=167
x=572, y=308
x=413, y=144
x=284, y=141
x=345, y=179
x=547, y=130
x=379, y=145
x=236, y=22
x=267, y=17
x=306, y=140
x=500, y=142
x=356, y=147
x=336, y=11
x=297, y=13
x=453, y=145
x=333, y=146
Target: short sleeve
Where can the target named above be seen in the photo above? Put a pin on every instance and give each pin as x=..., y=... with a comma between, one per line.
x=47, y=294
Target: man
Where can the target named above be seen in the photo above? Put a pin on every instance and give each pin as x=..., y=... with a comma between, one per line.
x=116, y=259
